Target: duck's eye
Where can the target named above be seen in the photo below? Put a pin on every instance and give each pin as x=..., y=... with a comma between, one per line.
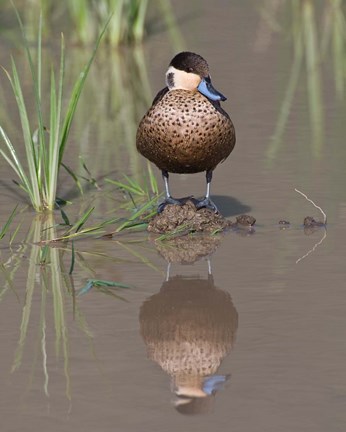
x=190, y=69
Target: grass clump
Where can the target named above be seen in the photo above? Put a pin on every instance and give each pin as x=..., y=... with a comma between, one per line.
x=45, y=145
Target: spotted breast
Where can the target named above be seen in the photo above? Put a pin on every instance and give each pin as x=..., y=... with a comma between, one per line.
x=184, y=132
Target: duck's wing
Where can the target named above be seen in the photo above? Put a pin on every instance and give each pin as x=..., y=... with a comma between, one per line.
x=217, y=106
x=159, y=96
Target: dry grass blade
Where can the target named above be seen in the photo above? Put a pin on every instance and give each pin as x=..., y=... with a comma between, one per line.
x=315, y=205
x=313, y=248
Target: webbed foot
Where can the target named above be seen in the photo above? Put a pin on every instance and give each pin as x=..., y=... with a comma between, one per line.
x=171, y=200
x=207, y=203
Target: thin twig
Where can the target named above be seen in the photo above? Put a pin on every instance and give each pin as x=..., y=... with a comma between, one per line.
x=318, y=207
x=313, y=249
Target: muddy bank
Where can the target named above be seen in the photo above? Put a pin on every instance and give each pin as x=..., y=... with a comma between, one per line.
x=174, y=217
x=187, y=218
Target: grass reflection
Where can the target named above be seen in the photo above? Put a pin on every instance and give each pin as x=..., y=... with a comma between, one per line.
x=311, y=50
x=45, y=273
x=117, y=95
x=334, y=40
x=48, y=285
x=313, y=72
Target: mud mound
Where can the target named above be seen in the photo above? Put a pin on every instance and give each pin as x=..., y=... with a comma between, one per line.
x=175, y=217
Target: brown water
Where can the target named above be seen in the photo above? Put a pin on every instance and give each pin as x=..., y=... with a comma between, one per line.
x=270, y=321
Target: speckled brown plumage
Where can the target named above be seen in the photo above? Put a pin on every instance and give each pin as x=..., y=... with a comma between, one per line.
x=188, y=329
x=189, y=326
x=184, y=132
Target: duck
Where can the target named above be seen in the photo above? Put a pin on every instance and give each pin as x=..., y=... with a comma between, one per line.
x=186, y=131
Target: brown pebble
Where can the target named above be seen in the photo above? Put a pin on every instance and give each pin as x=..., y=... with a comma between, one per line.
x=284, y=222
x=309, y=221
x=246, y=220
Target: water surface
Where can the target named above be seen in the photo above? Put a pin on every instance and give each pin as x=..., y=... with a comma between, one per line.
x=278, y=342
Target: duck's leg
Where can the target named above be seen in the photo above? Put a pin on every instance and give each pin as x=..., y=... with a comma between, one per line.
x=165, y=177
x=169, y=199
x=207, y=202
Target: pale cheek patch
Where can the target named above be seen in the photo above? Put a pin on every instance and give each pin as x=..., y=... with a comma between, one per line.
x=177, y=79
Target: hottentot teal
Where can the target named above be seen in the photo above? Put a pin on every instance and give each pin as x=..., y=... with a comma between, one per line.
x=186, y=130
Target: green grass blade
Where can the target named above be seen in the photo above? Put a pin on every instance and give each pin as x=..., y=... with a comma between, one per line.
x=136, y=189
x=81, y=221
x=152, y=179
x=94, y=230
x=179, y=231
x=35, y=79
x=100, y=282
x=30, y=149
x=44, y=255
x=87, y=287
x=137, y=214
x=72, y=259
x=50, y=169
x=54, y=144
x=134, y=184
x=14, y=162
x=74, y=176
x=65, y=217
x=90, y=179
x=16, y=165
x=5, y=228
x=138, y=25
x=115, y=32
x=143, y=258
x=39, y=58
x=14, y=234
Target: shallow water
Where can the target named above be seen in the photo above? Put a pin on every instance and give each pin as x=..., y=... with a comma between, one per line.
x=273, y=311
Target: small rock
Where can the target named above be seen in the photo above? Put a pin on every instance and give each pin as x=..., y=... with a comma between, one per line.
x=245, y=220
x=284, y=223
x=309, y=222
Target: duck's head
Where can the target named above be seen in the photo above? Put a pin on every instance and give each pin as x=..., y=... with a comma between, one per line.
x=189, y=71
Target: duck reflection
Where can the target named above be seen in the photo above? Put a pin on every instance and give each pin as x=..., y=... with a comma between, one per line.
x=187, y=250
x=188, y=328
